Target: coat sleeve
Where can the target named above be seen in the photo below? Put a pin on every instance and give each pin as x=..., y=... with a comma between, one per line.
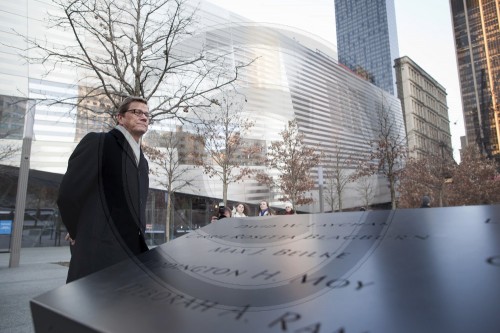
x=81, y=176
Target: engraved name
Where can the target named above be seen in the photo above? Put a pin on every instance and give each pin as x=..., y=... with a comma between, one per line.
x=282, y=252
x=310, y=236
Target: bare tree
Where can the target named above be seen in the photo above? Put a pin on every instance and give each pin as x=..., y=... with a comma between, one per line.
x=166, y=163
x=417, y=179
x=12, y=118
x=7, y=151
x=388, y=151
x=475, y=180
x=364, y=187
x=330, y=192
x=425, y=176
x=337, y=177
x=228, y=156
x=144, y=48
x=293, y=160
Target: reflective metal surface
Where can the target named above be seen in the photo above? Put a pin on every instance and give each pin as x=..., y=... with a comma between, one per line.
x=419, y=270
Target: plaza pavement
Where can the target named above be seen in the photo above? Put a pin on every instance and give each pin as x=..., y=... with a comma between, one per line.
x=41, y=269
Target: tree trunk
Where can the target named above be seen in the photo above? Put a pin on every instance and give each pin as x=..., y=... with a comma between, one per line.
x=224, y=193
x=441, y=195
x=339, y=194
x=393, y=195
x=169, y=213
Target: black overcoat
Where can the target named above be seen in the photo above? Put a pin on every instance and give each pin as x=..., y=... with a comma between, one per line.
x=102, y=201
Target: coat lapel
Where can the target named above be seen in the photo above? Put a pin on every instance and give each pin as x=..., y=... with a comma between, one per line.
x=122, y=141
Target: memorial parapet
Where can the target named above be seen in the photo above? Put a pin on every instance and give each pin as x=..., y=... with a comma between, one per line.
x=414, y=270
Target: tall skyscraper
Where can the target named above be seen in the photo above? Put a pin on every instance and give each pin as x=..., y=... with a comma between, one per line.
x=477, y=42
x=367, y=39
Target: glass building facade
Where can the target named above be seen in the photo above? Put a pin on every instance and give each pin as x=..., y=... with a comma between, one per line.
x=476, y=27
x=367, y=39
x=293, y=77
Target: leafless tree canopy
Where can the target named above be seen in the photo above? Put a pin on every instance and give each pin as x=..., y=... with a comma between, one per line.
x=294, y=162
x=475, y=181
x=388, y=151
x=336, y=176
x=365, y=188
x=165, y=152
x=228, y=156
x=144, y=48
x=7, y=151
x=425, y=176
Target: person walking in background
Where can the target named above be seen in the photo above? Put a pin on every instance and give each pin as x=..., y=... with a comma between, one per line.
x=426, y=202
x=102, y=197
x=264, y=209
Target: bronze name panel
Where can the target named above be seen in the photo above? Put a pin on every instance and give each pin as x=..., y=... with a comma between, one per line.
x=415, y=270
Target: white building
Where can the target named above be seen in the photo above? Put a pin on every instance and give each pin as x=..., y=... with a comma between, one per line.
x=294, y=76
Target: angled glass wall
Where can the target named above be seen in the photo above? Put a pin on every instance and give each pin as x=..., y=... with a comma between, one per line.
x=293, y=76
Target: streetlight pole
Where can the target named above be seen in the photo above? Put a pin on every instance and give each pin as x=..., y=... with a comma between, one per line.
x=22, y=185
x=320, y=185
x=442, y=145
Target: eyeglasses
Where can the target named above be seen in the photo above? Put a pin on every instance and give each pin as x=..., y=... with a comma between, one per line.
x=139, y=113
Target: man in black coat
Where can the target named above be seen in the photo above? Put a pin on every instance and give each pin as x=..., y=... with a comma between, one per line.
x=103, y=194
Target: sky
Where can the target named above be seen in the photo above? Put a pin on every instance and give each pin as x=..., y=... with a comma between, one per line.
x=424, y=34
